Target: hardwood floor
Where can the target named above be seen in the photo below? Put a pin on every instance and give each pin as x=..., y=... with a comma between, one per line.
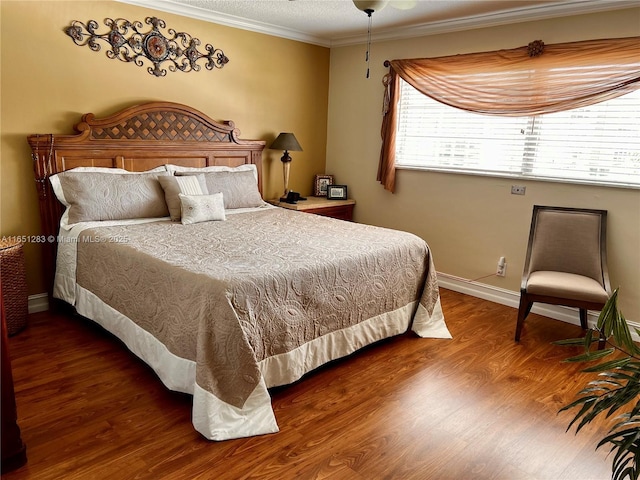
x=476, y=407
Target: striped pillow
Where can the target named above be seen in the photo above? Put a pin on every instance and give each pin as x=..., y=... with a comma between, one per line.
x=174, y=186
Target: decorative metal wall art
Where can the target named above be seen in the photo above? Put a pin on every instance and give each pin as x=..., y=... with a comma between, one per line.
x=129, y=44
x=535, y=48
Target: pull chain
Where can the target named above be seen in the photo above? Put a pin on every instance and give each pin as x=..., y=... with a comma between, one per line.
x=368, y=11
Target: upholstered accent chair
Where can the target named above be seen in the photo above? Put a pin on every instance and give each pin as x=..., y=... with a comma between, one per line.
x=566, y=261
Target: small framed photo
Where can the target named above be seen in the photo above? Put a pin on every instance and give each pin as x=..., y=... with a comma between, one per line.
x=336, y=192
x=320, y=185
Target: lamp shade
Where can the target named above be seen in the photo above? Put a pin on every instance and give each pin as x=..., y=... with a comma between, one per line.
x=286, y=141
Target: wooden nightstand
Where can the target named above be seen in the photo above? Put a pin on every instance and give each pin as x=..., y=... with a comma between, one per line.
x=340, y=209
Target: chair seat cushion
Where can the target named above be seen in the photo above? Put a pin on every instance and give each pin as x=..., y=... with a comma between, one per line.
x=566, y=285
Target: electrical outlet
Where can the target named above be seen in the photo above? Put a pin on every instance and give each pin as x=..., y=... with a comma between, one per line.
x=501, y=270
x=518, y=189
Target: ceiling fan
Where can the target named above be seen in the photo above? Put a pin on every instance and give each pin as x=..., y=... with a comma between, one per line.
x=371, y=6
x=377, y=5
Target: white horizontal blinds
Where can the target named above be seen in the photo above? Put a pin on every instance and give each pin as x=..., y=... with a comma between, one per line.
x=598, y=143
x=595, y=144
x=437, y=136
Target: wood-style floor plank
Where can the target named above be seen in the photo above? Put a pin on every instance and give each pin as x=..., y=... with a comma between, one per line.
x=476, y=407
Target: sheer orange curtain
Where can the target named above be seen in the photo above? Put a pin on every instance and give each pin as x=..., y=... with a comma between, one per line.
x=531, y=80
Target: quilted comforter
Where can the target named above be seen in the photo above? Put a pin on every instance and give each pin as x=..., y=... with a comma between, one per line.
x=225, y=310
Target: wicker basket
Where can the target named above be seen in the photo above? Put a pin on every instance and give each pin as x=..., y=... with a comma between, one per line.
x=14, y=285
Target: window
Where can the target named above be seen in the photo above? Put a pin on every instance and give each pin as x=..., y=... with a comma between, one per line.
x=598, y=144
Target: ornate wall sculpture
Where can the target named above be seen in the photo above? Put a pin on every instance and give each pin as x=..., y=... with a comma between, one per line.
x=128, y=44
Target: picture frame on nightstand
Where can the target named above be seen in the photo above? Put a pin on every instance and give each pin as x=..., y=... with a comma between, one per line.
x=336, y=192
x=320, y=185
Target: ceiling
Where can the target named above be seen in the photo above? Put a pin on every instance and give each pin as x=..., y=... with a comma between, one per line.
x=338, y=22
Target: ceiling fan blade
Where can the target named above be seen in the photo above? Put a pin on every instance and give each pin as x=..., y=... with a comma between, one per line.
x=403, y=4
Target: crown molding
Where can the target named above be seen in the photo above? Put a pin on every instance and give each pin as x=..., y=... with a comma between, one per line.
x=539, y=12
x=228, y=20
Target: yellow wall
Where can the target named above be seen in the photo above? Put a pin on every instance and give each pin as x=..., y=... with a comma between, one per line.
x=468, y=221
x=47, y=82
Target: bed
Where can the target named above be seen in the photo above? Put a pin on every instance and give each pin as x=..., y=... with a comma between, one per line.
x=227, y=296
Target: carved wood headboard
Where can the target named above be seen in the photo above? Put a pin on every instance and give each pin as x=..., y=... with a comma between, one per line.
x=138, y=138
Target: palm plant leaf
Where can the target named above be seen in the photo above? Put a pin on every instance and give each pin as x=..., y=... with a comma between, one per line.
x=617, y=387
x=611, y=364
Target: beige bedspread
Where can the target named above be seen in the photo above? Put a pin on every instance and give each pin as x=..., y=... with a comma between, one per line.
x=228, y=295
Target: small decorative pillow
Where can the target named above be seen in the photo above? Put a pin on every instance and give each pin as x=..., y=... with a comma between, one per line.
x=173, y=186
x=95, y=196
x=239, y=188
x=201, y=208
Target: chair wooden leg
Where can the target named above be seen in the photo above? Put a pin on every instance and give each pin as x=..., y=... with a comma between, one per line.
x=583, y=318
x=523, y=310
x=529, y=306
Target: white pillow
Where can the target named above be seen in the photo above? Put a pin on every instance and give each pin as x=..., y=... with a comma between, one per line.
x=214, y=168
x=201, y=208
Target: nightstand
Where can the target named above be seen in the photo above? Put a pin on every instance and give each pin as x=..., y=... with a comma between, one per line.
x=340, y=209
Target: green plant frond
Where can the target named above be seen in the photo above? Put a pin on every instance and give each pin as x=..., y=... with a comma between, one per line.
x=599, y=386
x=590, y=356
x=604, y=319
x=622, y=457
x=626, y=395
x=586, y=406
x=634, y=366
x=611, y=364
x=613, y=404
x=621, y=471
x=569, y=341
x=620, y=398
x=627, y=424
x=579, y=401
x=593, y=406
x=622, y=336
x=626, y=340
x=616, y=388
x=624, y=449
x=588, y=339
x=631, y=439
x=615, y=407
x=596, y=409
x=620, y=375
x=586, y=419
x=599, y=391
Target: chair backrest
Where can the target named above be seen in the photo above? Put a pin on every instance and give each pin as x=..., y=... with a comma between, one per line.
x=571, y=240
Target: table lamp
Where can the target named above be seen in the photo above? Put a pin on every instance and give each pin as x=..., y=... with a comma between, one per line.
x=286, y=141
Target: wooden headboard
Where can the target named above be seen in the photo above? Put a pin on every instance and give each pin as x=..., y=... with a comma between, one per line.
x=138, y=138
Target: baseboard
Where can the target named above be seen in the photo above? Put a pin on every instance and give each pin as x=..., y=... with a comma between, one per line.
x=512, y=299
x=38, y=303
